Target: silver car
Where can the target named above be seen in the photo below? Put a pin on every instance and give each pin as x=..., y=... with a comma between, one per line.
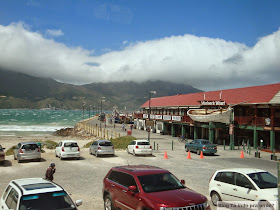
x=2, y=155
x=27, y=151
x=102, y=147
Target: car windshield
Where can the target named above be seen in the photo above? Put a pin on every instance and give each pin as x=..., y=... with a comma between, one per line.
x=264, y=180
x=47, y=201
x=105, y=143
x=70, y=144
x=205, y=142
x=143, y=143
x=159, y=182
x=30, y=146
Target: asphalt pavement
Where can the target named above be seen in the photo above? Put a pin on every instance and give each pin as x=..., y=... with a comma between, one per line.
x=83, y=178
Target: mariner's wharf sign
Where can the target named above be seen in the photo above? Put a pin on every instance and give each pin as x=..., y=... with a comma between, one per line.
x=213, y=103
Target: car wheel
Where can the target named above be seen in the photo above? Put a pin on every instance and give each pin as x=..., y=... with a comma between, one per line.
x=108, y=203
x=215, y=197
x=264, y=205
x=18, y=160
x=15, y=157
x=134, y=153
x=96, y=154
x=198, y=152
x=56, y=155
x=61, y=158
x=187, y=149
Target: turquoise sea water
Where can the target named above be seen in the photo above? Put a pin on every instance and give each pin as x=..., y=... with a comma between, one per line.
x=25, y=122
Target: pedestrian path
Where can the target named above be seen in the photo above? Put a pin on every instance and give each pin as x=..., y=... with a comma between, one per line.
x=167, y=143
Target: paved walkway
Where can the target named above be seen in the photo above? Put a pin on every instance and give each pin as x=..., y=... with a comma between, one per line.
x=163, y=143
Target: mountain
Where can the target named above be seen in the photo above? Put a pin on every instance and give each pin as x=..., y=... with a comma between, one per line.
x=18, y=90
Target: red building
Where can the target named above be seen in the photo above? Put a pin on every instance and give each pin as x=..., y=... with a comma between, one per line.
x=254, y=116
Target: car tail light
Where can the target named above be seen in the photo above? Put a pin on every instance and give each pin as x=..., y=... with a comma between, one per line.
x=99, y=148
x=215, y=147
x=62, y=149
x=151, y=147
x=2, y=155
x=20, y=151
x=113, y=147
x=204, y=147
x=137, y=147
x=78, y=148
x=38, y=149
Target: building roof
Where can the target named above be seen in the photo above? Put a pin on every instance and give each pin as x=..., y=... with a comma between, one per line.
x=265, y=94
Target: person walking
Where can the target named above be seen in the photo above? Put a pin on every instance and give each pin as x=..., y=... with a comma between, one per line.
x=50, y=172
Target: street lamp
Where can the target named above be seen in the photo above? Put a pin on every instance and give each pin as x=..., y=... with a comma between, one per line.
x=89, y=111
x=149, y=113
x=101, y=99
x=84, y=110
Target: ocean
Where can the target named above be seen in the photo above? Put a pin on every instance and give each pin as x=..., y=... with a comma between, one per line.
x=28, y=122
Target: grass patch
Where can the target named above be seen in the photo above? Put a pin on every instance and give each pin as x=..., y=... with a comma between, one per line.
x=88, y=144
x=11, y=150
x=50, y=144
x=119, y=143
x=122, y=142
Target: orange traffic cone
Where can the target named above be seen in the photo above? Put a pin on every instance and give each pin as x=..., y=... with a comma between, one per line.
x=201, y=155
x=242, y=154
x=189, y=155
x=165, y=155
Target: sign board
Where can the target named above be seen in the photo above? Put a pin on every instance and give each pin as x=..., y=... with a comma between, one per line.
x=213, y=103
x=176, y=118
x=159, y=117
x=166, y=117
x=149, y=123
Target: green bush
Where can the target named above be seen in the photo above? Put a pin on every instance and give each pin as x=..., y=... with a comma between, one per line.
x=50, y=144
x=119, y=143
x=122, y=142
x=88, y=144
x=11, y=150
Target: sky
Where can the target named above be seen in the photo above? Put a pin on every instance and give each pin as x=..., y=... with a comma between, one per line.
x=208, y=44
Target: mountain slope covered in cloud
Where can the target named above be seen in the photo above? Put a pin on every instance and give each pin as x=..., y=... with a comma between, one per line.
x=18, y=90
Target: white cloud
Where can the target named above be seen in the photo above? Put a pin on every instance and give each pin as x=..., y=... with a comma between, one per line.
x=54, y=32
x=205, y=63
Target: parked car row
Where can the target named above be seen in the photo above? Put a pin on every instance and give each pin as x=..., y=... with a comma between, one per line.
x=70, y=149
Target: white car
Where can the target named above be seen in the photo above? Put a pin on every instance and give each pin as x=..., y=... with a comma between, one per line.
x=139, y=147
x=36, y=193
x=67, y=149
x=243, y=184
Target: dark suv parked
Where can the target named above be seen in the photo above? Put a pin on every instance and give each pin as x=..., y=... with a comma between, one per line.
x=148, y=187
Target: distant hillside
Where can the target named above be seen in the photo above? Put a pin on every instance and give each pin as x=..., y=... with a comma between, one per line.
x=19, y=90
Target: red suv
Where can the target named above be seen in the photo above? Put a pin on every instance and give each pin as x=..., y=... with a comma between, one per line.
x=148, y=187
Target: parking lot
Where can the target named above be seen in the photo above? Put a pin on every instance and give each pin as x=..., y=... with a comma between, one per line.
x=83, y=178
